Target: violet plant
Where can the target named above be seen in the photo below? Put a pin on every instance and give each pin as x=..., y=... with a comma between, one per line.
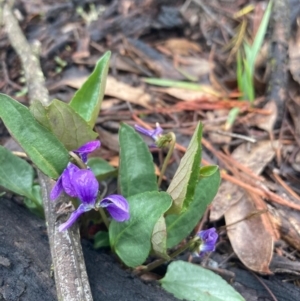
x=141, y=219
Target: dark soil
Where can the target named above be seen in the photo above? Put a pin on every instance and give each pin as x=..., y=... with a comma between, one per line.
x=25, y=264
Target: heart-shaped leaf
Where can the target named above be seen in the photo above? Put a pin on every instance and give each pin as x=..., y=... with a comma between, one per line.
x=183, y=184
x=40, y=113
x=136, y=168
x=131, y=240
x=70, y=128
x=180, y=226
x=43, y=148
x=87, y=100
x=17, y=176
x=187, y=281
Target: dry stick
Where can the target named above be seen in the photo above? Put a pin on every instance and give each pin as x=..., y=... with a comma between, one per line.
x=278, y=56
x=285, y=186
x=69, y=268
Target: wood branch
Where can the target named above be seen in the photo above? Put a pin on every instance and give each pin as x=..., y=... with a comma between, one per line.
x=69, y=268
x=66, y=252
x=35, y=80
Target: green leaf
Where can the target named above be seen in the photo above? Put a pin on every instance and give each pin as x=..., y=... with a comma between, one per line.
x=101, y=240
x=172, y=83
x=101, y=168
x=159, y=239
x=239, y=71
x=179, y=84
x=87, y=100
x=249, y=86
x=35, y=203
x=43, y=148
x=16, y=174
x=180, y=226
x=40, y=113
x=207, y=171
x=232, y=115
x=70, y=128
x=193, y=283
x=183, y=184
x=136, y=170
x=131, y=240
x=260, y=35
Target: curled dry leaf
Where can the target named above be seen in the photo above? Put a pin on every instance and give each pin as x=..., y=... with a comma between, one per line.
x=266, y=122
x=205, y=92
x=252, y=243
x=182, y=46
x=229, y=194
x=250, y=228
x=125, y=92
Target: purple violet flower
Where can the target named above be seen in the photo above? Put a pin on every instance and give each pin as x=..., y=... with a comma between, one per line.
x=208, y=238
x=86, y=149
x=117, y=206
x=86, y=187
x=64, y=182
x=153, y=134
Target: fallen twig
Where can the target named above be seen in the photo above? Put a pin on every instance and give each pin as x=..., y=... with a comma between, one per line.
x=69, y=268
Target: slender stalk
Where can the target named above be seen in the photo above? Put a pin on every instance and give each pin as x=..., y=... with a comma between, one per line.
x=167, y=159
x=78, y=160
x=159, y=262
x=104, y=217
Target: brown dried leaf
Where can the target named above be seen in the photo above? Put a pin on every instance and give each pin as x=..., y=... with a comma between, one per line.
x=207, y=93
x=182, y=46
x=195, y=66
x=229, y=194
x=108, y=139
x=266, y=122
x=128, y=93
x=252, y=243
x=294, y=54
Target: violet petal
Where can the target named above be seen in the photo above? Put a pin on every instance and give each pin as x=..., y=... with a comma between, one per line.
x=86, y=149
x=86, y=186
x=117, y=206
x=209, y=238
x=57, y=189
x=73, y=217
x=154, y=134
x=67, y=181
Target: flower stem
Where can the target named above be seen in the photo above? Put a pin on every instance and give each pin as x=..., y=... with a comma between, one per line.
x=167, y=159
x=160, y=261
x=78, y=160
x=104, y=217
